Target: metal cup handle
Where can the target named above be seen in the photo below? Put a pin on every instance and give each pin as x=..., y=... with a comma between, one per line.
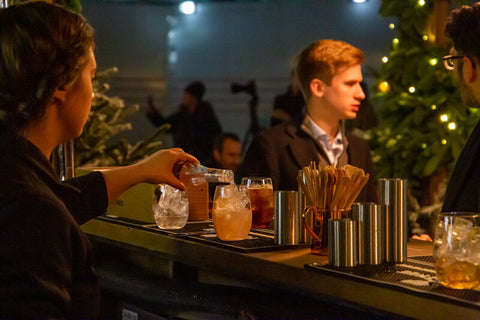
x=319, y=216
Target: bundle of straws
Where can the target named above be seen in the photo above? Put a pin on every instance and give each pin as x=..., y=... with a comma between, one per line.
x=330, y=188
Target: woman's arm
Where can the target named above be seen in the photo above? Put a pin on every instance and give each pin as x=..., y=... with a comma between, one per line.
x=161, y=167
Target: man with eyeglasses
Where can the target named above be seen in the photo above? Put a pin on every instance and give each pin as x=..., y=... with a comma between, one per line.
x=463, y=28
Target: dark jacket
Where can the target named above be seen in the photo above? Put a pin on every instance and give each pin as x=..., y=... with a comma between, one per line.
x=282, y=150
x=46, y=261
x=463, y=191
x=193, y=132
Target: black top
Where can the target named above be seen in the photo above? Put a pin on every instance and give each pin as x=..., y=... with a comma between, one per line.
x=193, y=132
x=46, y=261
x=463, y=191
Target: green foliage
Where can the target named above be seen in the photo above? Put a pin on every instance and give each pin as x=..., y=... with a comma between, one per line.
x=106, y=120
x=411, y=141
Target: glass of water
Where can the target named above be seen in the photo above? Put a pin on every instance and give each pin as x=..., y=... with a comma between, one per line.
x=170, y=207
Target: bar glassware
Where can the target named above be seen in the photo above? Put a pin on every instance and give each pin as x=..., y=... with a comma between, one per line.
x=456, y=249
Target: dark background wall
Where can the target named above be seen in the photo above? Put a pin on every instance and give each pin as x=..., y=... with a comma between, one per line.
x=158, y=50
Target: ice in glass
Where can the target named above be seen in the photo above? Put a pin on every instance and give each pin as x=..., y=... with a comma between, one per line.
x=170, y=207
x=457, y=250
x=261, y=199
x=231, y=212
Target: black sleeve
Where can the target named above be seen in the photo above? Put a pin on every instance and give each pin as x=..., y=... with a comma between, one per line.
x=91, y=201
x=43, y=256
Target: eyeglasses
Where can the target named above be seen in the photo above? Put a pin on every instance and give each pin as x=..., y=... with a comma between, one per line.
x=448, y=61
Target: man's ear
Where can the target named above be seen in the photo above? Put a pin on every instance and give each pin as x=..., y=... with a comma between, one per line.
x=317, y=87
x=470, y=73
x=59, y=94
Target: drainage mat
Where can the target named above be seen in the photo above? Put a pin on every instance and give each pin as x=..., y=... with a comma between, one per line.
x=416, y=275
x=202, y=231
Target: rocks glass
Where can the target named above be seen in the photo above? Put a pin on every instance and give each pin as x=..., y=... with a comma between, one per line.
x=231, y=212
x=261, y=198
x=457, y=249
x=170, y=207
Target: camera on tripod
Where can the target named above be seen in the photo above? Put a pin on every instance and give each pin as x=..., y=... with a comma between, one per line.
x=249, y=88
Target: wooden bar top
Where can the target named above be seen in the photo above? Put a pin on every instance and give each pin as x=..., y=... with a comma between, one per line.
x=283, y=270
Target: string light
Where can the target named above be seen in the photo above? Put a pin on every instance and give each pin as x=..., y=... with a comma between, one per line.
x=425, y=37
x=391, y=26
x=444, y=141
x=395, y=41
x=452, y=126
x=187, y=7
x=424, y=146
x=433, y=61
x=421, y=2
x=385, y=59
x=434, y=107
x=411, y=89
x=384, y=86
x=444, y=118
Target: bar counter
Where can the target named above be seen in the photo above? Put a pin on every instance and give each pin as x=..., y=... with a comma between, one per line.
x=282, y=274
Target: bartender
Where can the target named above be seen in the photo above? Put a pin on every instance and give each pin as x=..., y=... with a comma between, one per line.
x=46, y=70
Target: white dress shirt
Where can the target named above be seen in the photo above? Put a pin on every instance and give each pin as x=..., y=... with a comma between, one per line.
x=333, y=149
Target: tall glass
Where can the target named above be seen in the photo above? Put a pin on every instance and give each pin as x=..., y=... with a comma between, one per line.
x=457, y=249
x=231, y=212
x=261, y=198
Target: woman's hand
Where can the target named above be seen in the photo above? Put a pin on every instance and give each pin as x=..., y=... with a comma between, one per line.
x=164, y=166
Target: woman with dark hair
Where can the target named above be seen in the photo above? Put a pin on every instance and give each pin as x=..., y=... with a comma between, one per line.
x=46, y=70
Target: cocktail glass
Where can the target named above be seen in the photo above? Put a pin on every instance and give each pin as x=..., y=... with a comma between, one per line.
x=457, y=249
x=261, y=199
x=170, y=207
x=231, y=212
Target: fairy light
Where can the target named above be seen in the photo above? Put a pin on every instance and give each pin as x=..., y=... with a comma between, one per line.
x=425, y=37
x=411, y=89
x=434, y=107
x=385, y=59
x=424, y=146
x=384, y=86
x=395, y=41
x=444, y=118
x=444, y=141
x=421, y=2
x=391, y=26
x=452, y=126
x=433, y=61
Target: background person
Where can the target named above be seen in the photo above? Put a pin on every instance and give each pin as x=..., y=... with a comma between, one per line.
x=46, y=70
x=289, y=105
x=227, y=152
x=329, y=73
x=463, y=28
x=194, y=126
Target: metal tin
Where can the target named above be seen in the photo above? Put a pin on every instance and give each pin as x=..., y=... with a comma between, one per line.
x=371, y=232
x=393, y=194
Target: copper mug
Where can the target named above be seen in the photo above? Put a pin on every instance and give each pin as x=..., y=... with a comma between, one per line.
x=319, y=230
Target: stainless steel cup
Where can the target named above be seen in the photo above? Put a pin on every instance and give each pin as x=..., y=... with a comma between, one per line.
x=288, y=220
x=393, y=194
x=371, y=230
x=342, y=243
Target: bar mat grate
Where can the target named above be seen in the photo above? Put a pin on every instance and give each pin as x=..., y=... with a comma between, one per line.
x=203, y=231
x=257, y=241
x=417, y=275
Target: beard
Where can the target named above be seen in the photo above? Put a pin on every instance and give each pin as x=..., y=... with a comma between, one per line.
x=466, y=94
